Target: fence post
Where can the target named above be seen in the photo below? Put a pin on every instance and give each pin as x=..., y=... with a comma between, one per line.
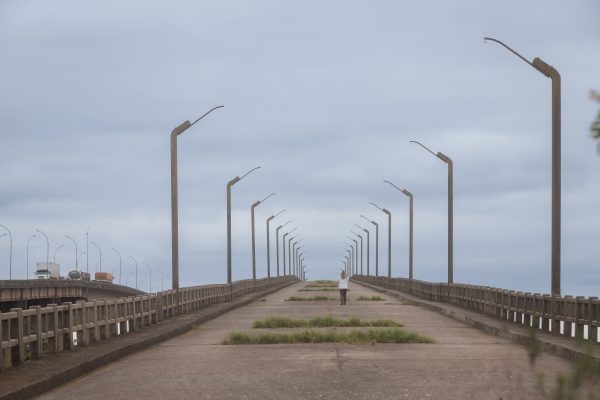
x=16, y=331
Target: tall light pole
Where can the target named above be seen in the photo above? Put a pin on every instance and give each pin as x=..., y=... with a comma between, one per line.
x=290, y=253
x=254, y=205
x=297, y=256
x=277, y=245
x=269, y=244
x=352, y=256
x=551, y=72
x=76, y=253
x=162, y=280
x=10, y=253
x=136, y=276
x=149, y=272
x=448, y=161
x=119, y=254
x=389, y=214
x=410, y=228
x=174, y=201
x=229, y=186
x=55, y=251
x=368, y=245
x=27, y=251
x=355, y=254
x=376, y=244
x=283, y=246
x=349, y=260
x=100, y=251
x=47, y=247
x=362, y=251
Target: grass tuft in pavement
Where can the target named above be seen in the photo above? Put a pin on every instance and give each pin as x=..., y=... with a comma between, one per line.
x=387, y=335
x=314, y=298
x=322, y=283
x=372, y=298
x=321, y=322
x=318, y=289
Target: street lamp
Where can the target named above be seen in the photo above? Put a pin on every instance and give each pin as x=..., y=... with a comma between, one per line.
x=100, y=251
x=136, y=276
x=10, y=254
x=352, y=257
x=76, y=252
x=269, y=244
x=448, y=161
x=174, y=202
x=162, y=280
x=389, y=214
x=362, y=251
x=119, y=254
x=290, y=253
x=355, y=254
x=368, y=245
x=254, y=205
x=551, y=72
x=376, y=244
x=277, y=245
x=27, y=251
x=229, y=185
x=47, y=249
x=55, y=251
x=283, y=246
x=410, y=228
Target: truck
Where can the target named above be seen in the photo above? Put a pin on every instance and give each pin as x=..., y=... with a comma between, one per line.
x=48, y=270
x=78, y=275
x=104, y=277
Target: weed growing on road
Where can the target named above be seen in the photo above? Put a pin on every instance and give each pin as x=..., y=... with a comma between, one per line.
x=388, y=335
x=322, y=283
x=318, y=289
x=314, y=298
x=372, y=298
x=321, y=322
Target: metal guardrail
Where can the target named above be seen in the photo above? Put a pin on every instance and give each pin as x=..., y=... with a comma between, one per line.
x=30, y=334
x=568, y=316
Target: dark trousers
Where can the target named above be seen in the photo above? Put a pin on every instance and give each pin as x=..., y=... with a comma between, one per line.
x=343, y=296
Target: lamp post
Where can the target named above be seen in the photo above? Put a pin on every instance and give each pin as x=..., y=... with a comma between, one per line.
x=27, y=251
x=150, y=273
x=136, y=275
x=119, y=254
x=376, y=244
x=551, y=72
x=362, y=251
x=76, y=252
x=55, y=251
x=100, y=251
x=448, y=161
x=277, y=244
x=283, y=246
x=352, y=256
x=269, y=243
x=174, y=201
x=290, y=253
x=254, y=205
x=410, y=228
x=10, y=253
x=349, y=260
x=368, y=245
x=297, y=255
x=355, y=254
x=47, y=248
x=389, y=214
x=229, y=186
x=162, y=280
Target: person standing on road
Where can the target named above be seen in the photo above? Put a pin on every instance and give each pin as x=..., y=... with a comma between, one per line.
x=343, y=286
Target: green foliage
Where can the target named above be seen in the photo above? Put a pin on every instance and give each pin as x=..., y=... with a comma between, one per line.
x=314, y=298
x=372, y=298
x=322, y=283
x=318, y=289
x=320, y=322
x=372, y=336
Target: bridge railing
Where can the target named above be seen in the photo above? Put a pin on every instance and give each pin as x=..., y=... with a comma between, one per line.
x=568, y=316
x=29, y=334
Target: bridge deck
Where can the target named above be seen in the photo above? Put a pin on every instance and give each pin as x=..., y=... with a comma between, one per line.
x=464, y=362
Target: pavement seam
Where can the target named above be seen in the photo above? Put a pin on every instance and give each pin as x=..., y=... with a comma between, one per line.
x=505, y=331
x=45, y=384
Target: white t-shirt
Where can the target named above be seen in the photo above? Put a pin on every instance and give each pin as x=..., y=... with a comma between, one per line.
x=343, y=284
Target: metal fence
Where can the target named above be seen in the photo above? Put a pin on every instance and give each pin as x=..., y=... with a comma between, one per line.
x=31, y=333
x=568, y=316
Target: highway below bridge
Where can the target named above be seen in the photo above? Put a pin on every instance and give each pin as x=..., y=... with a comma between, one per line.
x=27, y=293
x=460, y=362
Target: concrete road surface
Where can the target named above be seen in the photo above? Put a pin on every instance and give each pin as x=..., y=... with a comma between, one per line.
x=463, y=363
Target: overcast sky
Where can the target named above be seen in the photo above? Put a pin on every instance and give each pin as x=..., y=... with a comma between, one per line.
x=325, y=96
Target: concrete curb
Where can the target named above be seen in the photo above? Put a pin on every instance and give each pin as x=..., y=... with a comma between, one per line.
x=125, y=346
x=505, y=329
